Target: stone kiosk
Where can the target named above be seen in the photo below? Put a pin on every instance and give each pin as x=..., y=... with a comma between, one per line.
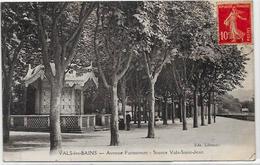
x=75, y=116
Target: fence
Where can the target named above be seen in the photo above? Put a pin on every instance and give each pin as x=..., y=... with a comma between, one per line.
x=69, y=123
x=103, y=120
x=243, y=116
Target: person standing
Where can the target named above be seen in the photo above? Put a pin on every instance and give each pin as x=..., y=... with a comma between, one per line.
x=128, y=120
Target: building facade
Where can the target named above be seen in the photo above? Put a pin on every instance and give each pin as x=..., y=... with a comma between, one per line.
x=76, y=115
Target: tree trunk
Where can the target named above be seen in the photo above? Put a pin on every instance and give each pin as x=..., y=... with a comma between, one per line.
x=6, y=111
x=209, y=108
x=123, y=95
x=190, y=108
x=55, y=128
x=114, y=141
x=139, y=112
x=190, y=111
x=195, y=109
x=151, y=102
x=165, y=115
x=202, y=110
x=214, y=113
x=214, y=107
x=180, y=109
x=7, y=79
x=159, y=107
x=184, y=122
x=173, y=110
x=206, y=112
x=170, y=112
x=187, y=111
x=145, y=111
x=25, y=100
x=135, y=110
x=132, y=110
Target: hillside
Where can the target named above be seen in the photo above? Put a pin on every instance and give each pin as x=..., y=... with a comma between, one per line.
x=242, y=94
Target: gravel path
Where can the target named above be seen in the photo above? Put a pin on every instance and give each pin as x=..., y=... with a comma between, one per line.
x=228, y=139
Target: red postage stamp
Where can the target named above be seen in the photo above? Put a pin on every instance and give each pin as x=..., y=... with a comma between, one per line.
x=234, y=23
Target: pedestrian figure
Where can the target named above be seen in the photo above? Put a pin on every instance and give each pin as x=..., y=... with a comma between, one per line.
x=121, y=122
x=128, y=120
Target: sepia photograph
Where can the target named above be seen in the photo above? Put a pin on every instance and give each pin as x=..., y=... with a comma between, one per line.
x=141, y=81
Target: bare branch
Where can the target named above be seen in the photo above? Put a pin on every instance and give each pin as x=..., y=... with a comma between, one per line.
x=74, y=38
x=175, y=79
x=81, y=22
x=119, y=63
x=147, y=68
x=16, y=53
x=97, y=53
x=106, y=36
x=45, y=55
x=64, y=6
x=4, y=54
x=55, y=35
x=120, y=75
x=158, y=69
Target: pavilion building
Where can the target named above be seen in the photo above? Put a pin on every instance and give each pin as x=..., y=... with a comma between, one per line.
x=76, y=115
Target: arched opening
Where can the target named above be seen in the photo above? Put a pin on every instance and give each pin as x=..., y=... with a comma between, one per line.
x=30, y=100
x=90, y=93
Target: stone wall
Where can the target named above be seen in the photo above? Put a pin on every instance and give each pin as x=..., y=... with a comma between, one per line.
x=68, y=101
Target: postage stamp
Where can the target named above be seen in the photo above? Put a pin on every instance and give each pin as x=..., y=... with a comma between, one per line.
x=234, y=23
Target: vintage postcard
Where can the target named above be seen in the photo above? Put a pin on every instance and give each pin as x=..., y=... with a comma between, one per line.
x=128, y=81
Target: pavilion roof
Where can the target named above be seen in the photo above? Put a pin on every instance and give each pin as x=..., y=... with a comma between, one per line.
x=72, y=77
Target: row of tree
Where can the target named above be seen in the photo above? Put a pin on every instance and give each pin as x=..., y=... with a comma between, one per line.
x=145, y=48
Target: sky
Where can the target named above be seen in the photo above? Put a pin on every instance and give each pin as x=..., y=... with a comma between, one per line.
x=249, y=81
x=248, y=84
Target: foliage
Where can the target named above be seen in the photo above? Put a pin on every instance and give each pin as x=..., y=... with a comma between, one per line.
x=18, y=39
x=230, y=104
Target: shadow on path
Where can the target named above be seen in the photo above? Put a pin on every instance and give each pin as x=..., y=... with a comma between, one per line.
x=31, y=141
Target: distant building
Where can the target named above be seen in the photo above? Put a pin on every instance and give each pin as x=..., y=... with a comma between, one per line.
x=244, y=110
